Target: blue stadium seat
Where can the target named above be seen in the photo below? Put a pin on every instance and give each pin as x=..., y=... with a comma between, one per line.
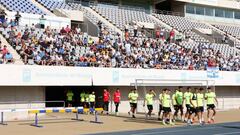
x=51, y=4
x=21, y=6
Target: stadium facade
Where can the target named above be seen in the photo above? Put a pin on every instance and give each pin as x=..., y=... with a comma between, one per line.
x=29, y=86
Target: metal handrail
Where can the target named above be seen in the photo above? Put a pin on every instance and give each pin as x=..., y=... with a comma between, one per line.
x=119, y=6
x=29, y=103
x=165, y=12
x=64, y=12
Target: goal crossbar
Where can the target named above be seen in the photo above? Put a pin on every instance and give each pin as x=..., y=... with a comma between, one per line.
x=172, y=82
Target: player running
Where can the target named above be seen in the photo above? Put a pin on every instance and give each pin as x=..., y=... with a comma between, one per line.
x=82, y=99
x=210, y=96
x=106, y=98
x=174, y=102
x=117, y=100
x=133, y=97
x=166, y=103
x=149, y=99
x=200, y=108
x=87, y=100
x=69, y=96
x=193, y=106
x=179, y=102
x=187, y=102
x=160, y=105
x=130, y=101
x=92, y=100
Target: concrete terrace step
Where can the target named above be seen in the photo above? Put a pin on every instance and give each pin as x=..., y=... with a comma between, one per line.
x=161, y=22
x=42, y=8
x=103, y=19
x=2, y=7
x=16, y=56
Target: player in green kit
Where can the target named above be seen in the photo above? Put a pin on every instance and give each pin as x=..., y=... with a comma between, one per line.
x=200, y=108
x=149, y=99
x=174, y=103
x=193, y=106
x=92, y=102
x=70, y=98
x=130, y=101
x=166, y=103
x=210, y=96
x=160, y=104
x=186, y=98
x=179, y=101
x=87, y=99
x=133, y=98
x=82, y=99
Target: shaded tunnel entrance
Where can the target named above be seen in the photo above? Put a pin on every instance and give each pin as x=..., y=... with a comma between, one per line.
x=58, y=93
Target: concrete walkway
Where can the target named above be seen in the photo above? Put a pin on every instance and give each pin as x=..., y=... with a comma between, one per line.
x=16, y=56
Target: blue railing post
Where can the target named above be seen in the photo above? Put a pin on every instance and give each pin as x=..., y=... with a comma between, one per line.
x=36, y=121
x=2, y=119
x=96, y=118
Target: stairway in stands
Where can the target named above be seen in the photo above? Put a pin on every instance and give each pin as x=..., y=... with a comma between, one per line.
x=42, y=7
x=16, y=56
x=88, y=12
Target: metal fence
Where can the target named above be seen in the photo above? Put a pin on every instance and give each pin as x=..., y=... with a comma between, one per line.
x=30, y=104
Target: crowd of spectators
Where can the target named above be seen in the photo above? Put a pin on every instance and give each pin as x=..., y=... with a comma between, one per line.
x=71, y=47
x=5, y=56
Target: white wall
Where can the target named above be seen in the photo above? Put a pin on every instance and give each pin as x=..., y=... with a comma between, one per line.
x=229, y=97
x=218, y=3
x=214, y=20
x=44, y=76
x=26, y=77
x=23, y=75
x=20, y=98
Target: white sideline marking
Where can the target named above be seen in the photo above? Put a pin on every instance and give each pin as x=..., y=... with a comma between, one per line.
x=231, y=133
x=182, y=130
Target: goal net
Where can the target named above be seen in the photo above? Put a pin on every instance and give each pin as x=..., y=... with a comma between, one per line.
x=144, y=85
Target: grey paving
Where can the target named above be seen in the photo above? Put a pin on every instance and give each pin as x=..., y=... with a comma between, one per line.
x=214, y=129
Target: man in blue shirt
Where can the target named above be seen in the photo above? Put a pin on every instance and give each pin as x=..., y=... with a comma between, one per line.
x=8, y=57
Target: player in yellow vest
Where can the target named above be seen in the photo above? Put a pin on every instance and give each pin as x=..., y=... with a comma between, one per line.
x=130, y=101
x=186, y=98
x=149, y=99
x=166, y=103
x=193, y=106
x=174, y=103
x=210, y=96
x=69, y=98
x=92, y=100
x=82, y=99
x=134, y=98
x=200, y=106
x=160, y=104
x=87, y=99
x=179, y=101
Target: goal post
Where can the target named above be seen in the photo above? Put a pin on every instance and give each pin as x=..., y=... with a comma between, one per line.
x=143, y=85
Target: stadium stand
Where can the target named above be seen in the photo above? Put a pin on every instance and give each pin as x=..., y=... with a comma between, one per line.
x=24, y=6
x=186, y=25
x=232, y=30
x=8, y=54
x=75, y=6
x=95, y=20
x=71, y=47
x=183, y=24
x=121, y=16
x=51, y=5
